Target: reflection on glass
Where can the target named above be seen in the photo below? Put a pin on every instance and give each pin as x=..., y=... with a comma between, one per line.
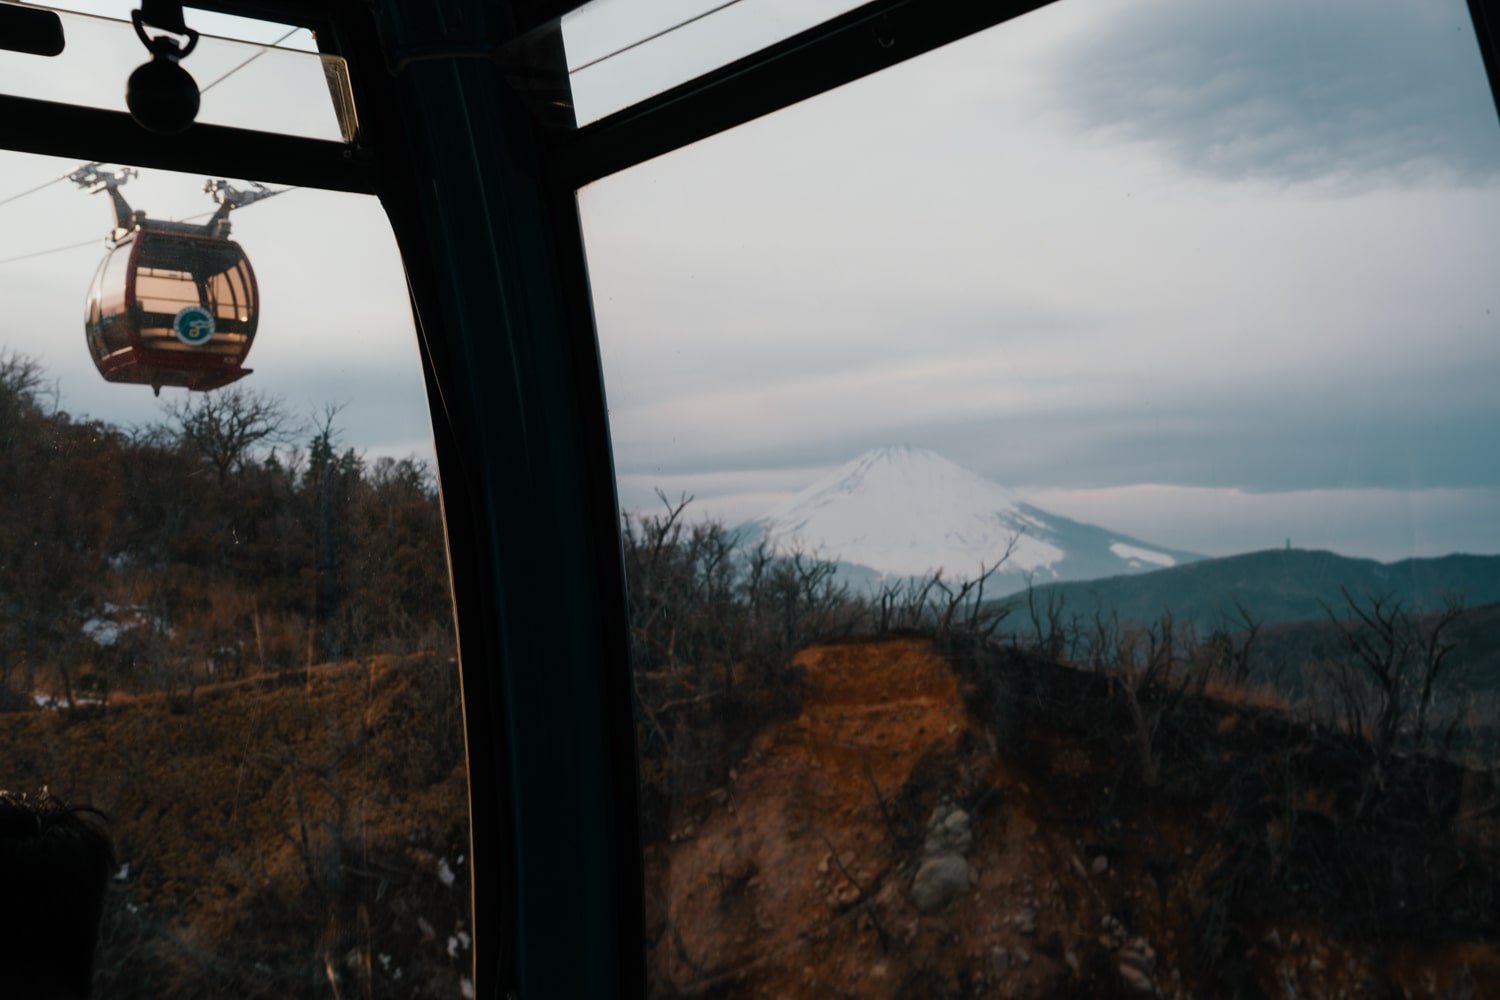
x=1061, y=515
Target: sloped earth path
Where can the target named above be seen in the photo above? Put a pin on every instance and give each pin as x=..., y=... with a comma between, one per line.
x=793, y=886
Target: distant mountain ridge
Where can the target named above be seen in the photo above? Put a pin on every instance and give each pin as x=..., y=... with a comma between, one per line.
x=1279, y=585
x=905, y=511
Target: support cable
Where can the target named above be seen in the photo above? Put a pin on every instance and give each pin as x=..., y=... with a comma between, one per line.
x=653, y=37
x=42, y=253
x=18, y=197
x=210, y=86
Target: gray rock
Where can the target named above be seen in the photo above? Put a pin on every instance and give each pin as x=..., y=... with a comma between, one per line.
x=1100, y=865
x=1139, y=955
x=1136, y=980
x=1025, y=921
x=939, y=881
x=945, y=841
x=949, y=831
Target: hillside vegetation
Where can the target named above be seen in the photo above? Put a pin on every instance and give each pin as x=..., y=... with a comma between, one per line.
x=277, y=838
x=228, y=539
x=957, y=820
x=927, y=794
x=233, y=636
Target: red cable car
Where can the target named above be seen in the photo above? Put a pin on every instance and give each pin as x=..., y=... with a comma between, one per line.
x=172, y=303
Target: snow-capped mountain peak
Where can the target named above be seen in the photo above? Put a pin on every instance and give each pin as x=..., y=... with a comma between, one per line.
x=903, y=510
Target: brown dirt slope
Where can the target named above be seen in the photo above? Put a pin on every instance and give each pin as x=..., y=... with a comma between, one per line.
x=795, y=879
x=276, y=833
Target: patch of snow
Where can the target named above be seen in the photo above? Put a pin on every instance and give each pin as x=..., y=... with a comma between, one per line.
x=466, y=988
x=103, y=631
x=123, y=873
x=112, y=622
x=55, y=703
x=445, y=874
x=1134, y=552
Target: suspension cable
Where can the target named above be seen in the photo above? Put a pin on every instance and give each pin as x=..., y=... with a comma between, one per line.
x=42, y=253
x=18, y=197
x=210, y=86
x=653, y=37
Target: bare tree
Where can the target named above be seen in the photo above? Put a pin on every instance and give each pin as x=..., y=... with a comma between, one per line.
x=1153, y=667
x=1394, y=667
x=22, y=382
x=968, y=597
x=1234, y=658
x=225, y=426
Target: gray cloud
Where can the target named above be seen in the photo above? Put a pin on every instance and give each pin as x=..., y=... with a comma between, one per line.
x=1093, y=301
x=1286, y=90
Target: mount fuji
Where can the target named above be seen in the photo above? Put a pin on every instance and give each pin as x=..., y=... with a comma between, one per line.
x=904, y=511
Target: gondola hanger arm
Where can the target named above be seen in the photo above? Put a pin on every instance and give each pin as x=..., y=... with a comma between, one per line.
x=93, y=179
x=230, y=197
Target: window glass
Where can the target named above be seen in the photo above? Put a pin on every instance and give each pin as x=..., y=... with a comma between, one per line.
x=274, y=85
x=623, y=51
x=1061, y=514
x=225, y=617
x=112, y=287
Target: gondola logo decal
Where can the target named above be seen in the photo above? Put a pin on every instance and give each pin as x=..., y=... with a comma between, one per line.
x=194, y=326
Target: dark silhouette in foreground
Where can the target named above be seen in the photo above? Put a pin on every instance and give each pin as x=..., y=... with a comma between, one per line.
x=55, y=861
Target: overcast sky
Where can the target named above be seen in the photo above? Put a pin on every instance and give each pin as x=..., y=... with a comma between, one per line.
x=1214, y=275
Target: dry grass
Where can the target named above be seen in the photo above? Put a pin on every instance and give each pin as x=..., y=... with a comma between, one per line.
x=273, y=830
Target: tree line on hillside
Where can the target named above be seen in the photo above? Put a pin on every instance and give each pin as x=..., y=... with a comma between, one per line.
x=226, y=539
x=715, y=624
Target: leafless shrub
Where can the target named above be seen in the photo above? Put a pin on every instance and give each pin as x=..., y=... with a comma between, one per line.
x=942, y=608
x=714, y=624
x=1391, y=673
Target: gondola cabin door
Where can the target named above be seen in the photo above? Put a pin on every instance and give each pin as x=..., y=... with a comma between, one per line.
x=172, y=306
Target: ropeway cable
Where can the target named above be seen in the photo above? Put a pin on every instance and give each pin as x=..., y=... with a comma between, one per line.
x=653, y=37
x=42, y=253
x=210, y=86
x=18, y=197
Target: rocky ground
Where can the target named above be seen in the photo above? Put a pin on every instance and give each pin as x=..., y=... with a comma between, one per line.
x=901, y=838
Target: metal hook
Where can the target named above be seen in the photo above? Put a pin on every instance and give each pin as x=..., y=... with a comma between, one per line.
x=164, y=46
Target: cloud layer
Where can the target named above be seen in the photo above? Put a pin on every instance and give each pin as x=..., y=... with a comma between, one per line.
x=1291, y=91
